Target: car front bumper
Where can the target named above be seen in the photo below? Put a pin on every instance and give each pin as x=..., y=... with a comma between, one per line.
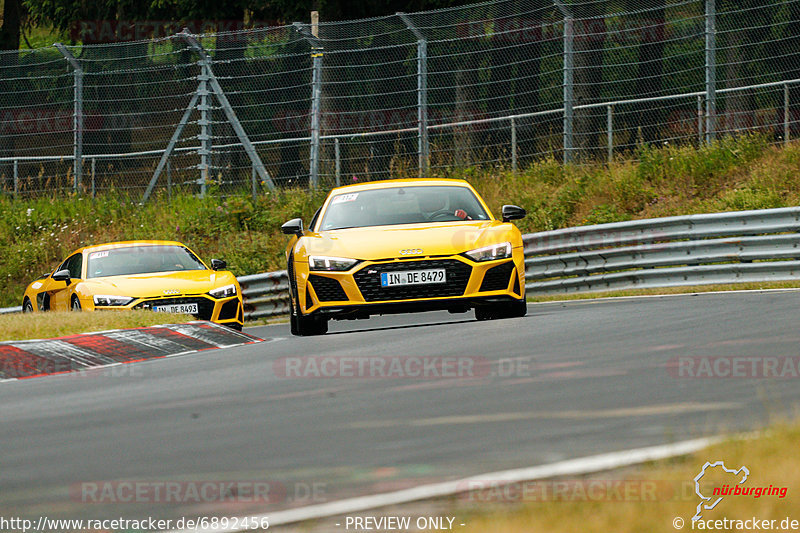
x=358, y=292
x=225, y=311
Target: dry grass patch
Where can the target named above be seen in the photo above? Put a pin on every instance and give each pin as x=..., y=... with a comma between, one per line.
x=691, y=289
x=769, y=458
x=16, y=327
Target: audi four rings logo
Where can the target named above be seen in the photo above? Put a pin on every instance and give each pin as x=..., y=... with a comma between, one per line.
x=172, y=291
x=411, y=251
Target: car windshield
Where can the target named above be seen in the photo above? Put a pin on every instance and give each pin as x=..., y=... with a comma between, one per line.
x=141, y=260
x=413, y=204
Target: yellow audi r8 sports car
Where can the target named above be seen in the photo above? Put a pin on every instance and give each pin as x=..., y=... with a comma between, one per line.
x=162, y=276
x=403, y=246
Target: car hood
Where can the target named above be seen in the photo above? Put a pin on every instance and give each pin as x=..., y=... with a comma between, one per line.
x=384, y=242
x=153, y=285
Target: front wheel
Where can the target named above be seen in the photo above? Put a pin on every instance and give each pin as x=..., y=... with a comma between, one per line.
x=27, y=306
x=76, y=304
x=515, y=309
x=305, y=326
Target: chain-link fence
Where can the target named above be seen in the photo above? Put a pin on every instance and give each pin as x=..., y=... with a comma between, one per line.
x=498, y=84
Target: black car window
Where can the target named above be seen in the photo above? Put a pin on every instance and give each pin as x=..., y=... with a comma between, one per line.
x=314, y=218
x=73, y=264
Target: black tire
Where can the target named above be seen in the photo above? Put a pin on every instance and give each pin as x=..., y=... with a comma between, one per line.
x=237, y=327
x=515, y=309
x=304, y=326
x=76, y=304
x=27, y=306
x=308, y=326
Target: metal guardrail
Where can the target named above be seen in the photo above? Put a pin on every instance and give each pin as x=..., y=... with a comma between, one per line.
x=722, y=248
x=9, y=310
x=734, y=247
x=265, y=294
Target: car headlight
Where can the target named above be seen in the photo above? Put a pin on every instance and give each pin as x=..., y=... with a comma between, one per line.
x=105, y=300
x=318, y=262
x=490, y=253
x=224, y=292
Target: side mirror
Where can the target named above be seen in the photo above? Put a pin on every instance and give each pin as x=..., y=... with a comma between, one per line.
x=218, y=264
x=293, y=227
x=513, y=212
x=62, y=275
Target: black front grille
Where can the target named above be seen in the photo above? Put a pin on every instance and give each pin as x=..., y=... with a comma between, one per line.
x=327, y=289
x=205, y=307
x=496, y=278
x=368, y=280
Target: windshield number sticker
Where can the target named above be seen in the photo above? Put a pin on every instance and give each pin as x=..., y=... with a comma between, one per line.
x=98, y=255
x=342, y=198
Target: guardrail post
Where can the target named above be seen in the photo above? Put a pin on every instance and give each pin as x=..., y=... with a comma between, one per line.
x=711, y=70
x=610, y=132
x=513, y=145
x=337, y=162
x=422, y=95
x=786, y=127
x=16, y=179
x=77, y=117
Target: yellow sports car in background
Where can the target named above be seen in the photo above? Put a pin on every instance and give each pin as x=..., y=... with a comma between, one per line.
x=404, y=246
x=162, y=276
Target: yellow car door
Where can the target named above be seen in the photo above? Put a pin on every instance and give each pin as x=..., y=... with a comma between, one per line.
x=61, y=290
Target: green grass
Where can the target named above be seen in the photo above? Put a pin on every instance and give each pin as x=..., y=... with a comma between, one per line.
x=735, y=173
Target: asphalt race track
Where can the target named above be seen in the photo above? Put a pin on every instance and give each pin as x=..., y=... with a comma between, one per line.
x=569, y=380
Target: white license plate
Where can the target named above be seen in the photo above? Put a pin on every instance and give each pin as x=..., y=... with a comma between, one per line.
x=413, y=277
x=185, y=309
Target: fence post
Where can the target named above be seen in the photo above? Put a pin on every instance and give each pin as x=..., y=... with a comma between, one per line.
x=316, y=93
x=337, y=162
x=422, y=96
x=253, y=181
x=711, y=70
x=610, y=132
x=786, y=125
x=569, y=87
x=699, y=121
x=169, y=180
x=227, y=108
x=93, y=171
x=77, y=118
x=204, y=123
x=513, y=145
x=16, y=179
